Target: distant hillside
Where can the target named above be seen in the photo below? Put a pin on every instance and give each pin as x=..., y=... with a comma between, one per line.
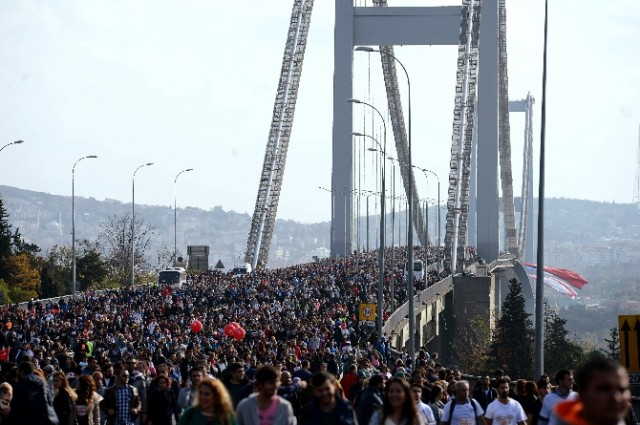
x=45, y=219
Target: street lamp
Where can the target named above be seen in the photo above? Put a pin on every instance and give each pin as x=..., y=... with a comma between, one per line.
x=73, y=219
x=424, y=170
x=412, y=316
x=175, y=216
x=17, y=142
x=383, y=152
x=133, y=220
x=426, y=213
x=369, y=193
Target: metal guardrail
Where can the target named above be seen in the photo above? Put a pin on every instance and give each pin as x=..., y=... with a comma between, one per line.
x=433, y=291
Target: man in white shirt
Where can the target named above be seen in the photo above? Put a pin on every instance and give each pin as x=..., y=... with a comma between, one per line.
x=563, y=392
x=424, y=411
x=505, y=410
x=462, y=410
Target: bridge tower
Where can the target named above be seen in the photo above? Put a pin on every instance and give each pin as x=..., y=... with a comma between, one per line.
x=384, y=26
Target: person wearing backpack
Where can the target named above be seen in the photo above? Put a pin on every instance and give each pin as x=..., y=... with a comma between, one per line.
x=462, y=410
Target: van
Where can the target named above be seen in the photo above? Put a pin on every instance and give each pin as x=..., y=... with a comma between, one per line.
x=244, y=268
x=174, y=277
x=418, y=269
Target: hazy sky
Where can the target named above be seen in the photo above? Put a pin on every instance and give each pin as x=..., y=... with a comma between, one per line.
x=192, y=85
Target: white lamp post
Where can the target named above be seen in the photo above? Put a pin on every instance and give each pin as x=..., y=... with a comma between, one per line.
x=73, y=220
x=175, y=215
x=133, y=220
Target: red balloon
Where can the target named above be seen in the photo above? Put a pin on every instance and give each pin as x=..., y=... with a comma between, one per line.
x=228, y=330
x=196, y=326
x=239, y=333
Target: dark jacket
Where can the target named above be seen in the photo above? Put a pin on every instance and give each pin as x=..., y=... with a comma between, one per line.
x=65, y=408
x=484, y=399
x=370, y=401
x=162, y=406
x=32, y=403
x=238, y=392
x=342, y=413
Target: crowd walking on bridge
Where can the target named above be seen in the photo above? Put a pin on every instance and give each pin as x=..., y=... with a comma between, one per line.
x=129, y=356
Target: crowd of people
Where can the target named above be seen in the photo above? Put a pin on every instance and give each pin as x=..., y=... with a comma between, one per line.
x=129, y=356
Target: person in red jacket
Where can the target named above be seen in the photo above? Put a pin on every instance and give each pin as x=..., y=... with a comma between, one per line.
x=349, y=378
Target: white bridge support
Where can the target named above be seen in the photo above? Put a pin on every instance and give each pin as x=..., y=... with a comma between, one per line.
x=375, y=26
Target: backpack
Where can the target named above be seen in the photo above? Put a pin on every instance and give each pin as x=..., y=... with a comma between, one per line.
x=473, y=404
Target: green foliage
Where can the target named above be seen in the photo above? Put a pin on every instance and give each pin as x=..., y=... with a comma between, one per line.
x=472, y=346
x=90, y=269
x=55, y=273
x=613, y=344
x=5, y=239
x=12, y=294
x=560, y=351
x=22, y=277
x=22, y=247
x=513, y=345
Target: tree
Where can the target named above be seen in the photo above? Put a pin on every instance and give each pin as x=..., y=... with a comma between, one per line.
x=23, y=279
x=55, y=273
x=613, y=344
x=560, y=352
x=20, y=246
x=91, y=269
x=472, y=345
x=5, y=239
x=513, y=345
x=115, y=238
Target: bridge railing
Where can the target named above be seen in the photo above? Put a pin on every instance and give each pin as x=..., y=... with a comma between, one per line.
x=402, y=312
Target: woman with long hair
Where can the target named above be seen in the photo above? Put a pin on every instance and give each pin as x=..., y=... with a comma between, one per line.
x=436, y=401
x=213, y=406
x=87, y=408
x=398, y=406
x=161, y=402
x=64, y=399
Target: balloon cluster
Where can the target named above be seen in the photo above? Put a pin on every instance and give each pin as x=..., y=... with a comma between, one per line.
x=234, y=330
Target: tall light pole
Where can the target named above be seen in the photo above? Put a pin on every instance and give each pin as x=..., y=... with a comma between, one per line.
x=73, y=220
x=133, y=220
x=383, y=193
x=412, y=316
x=17, y=142
x=175, y=216
x=424, y=170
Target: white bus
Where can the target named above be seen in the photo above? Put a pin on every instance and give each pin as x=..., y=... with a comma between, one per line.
x=174, y=277
x=418, y=269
